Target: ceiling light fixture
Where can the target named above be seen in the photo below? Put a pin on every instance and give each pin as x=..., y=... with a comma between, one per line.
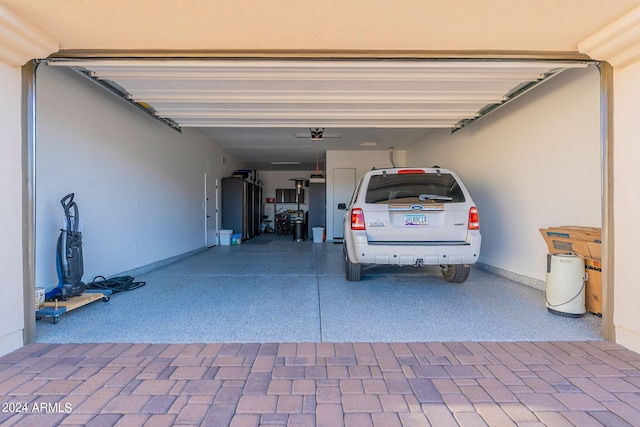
x=317, y=134
x=285, y=163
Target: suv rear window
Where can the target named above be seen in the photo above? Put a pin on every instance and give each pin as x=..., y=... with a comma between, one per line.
x=414, y=188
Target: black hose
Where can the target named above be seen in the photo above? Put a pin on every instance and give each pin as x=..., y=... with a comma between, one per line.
x=115, y=284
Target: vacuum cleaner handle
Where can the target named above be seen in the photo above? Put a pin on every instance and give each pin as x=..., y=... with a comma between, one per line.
x=68, y=204
x=65, y=198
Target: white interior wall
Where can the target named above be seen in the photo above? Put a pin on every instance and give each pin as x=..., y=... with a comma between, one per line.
x=362, y=163
x=626, y=205
x=532, y=164
x=139, y=184
x=11, y=280
x=273, y=180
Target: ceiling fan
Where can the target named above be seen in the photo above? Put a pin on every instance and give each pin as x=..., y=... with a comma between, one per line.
x=317, y=134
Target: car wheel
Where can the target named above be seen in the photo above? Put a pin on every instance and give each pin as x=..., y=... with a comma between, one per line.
x=353, y=270
x=455, y=273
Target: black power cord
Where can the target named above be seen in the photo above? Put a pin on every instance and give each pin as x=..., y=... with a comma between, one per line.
x=115, y=284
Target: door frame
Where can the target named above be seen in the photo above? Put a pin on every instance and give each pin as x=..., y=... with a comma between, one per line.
x=209, y=181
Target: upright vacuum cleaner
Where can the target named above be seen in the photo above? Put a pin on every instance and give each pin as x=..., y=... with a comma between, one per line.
x=69, y=254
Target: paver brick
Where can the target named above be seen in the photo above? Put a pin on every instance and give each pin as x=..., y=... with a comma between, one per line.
x=541, y=402
x=393, y=403
x=257, y=383
x=519, y=413
x=263, y=364
x=439, y=415
x=192, y=414
x=228, y=395
x=431, y=372
x=624, y=411
x=457, y=403
x=315, y=372
x=157, y=387
x=303, y=387
x=388, y=364
x=245, y=420
x=475, y=393
x=554, y=419
x=200, y=387
x=301, y=420
x=397, y=383
x=225, y=361
x=328, y=395
x=309, y=404
x=28, y=388
x=325, y=349
x=337, y=372
x=97, y=400
x=58, y=387
x=538, y=385
x=498, y=391
x=280, y=387
x=288, y=404
x=160, y=420
x=329, y=415
x=254, y=404
x=288, y=372
x=578, y=402
x=232, y=373
x=409, y=419
x=132, y=420
x=359, y=372
x=159, y=404
x=126, y=404
x=358, y=420
x=219, y=415
x=424, y=390
x=13, y=382
x=616, y=385
x=351, y=387
x=375, y=386
x=361, y=403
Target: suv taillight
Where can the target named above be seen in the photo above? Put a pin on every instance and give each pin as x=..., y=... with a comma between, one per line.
x=474, y=219
x=357, y=219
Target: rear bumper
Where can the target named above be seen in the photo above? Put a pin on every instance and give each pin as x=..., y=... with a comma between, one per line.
x=412, y=253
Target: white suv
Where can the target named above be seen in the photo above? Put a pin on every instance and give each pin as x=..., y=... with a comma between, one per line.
x=412, y=216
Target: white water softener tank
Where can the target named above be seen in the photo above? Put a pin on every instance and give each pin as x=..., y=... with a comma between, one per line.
x=565, y=285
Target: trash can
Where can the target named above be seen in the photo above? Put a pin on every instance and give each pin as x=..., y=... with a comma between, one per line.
x=318, y=234
x=564, y=294
x=298, y=230
x=225, y=237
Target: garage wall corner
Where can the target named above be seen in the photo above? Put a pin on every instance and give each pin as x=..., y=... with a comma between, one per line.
x=11, y=280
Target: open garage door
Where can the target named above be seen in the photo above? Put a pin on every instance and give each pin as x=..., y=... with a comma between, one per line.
x=239, y=103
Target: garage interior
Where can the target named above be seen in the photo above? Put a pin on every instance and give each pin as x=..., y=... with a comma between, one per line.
x=563, y=153
x=159, y=149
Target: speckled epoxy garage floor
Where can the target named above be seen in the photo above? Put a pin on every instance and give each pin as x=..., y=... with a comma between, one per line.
x=271, y=289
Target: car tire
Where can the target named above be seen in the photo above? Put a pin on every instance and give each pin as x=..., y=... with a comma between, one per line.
x=457, y=273
x=353, y=270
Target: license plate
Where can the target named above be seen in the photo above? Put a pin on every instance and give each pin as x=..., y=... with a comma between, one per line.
x=416, y=220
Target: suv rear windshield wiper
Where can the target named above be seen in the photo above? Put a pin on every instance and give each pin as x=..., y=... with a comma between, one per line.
x=424, y=197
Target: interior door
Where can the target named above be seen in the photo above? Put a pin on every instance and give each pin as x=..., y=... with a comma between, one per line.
x=344, y=182
x=211, y=210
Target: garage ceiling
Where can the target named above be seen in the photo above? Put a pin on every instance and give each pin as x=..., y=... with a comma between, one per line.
x=262, y=111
